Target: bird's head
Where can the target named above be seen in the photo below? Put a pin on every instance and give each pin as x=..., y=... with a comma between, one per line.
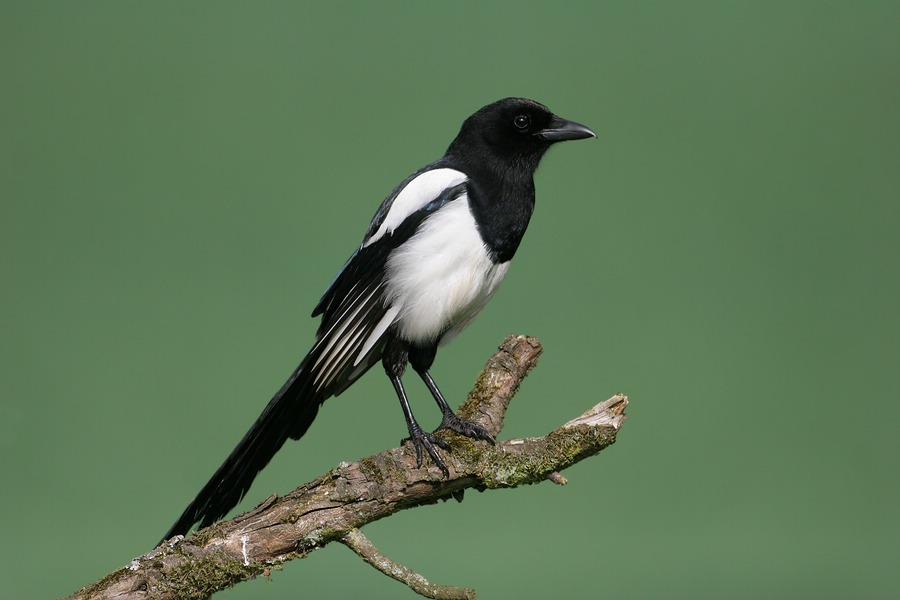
x=513, y=131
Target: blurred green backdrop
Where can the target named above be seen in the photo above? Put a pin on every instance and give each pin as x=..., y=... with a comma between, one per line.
x=180, y=181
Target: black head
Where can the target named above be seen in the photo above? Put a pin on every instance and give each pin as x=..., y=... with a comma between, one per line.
x=513, y=130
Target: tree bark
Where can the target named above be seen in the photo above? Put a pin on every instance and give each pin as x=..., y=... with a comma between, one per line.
x=333, y=506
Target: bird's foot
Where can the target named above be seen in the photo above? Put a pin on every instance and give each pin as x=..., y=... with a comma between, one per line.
x=427, y=441
x=465, y=427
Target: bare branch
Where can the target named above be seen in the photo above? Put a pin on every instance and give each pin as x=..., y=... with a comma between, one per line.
x=359, y=543
x=348, y=497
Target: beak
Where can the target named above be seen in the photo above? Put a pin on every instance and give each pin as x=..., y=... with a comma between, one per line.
x=561, y=130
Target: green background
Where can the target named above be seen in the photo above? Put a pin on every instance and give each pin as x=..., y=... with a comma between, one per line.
x=180, y=181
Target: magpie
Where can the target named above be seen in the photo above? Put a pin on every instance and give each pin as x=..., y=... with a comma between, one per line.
x=432, y=257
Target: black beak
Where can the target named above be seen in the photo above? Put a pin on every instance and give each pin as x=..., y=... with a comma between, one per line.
x=560, y=130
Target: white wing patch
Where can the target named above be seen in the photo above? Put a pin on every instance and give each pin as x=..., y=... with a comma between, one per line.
x=418, y=193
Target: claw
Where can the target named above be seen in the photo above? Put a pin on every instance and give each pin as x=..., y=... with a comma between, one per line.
x=465, y=427
x=420, y=440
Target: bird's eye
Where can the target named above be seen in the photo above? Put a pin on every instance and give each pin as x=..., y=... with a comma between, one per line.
x=522, y=121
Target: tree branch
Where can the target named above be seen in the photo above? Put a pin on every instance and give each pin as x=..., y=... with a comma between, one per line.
x=333, y=506
x=359, y=543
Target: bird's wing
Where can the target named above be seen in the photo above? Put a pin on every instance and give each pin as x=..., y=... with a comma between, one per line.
x=416, y=193
x=355, y=315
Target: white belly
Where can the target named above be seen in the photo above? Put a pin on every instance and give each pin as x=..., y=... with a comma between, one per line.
x=442, y=277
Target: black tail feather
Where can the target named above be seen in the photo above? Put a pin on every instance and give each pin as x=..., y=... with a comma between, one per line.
x=288, y=415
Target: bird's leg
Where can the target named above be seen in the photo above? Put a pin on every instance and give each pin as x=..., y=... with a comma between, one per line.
x=394, y=361
x=450, y=420
x=421, y=359
x=420, y=439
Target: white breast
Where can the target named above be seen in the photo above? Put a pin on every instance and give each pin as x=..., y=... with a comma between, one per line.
x=442, y=277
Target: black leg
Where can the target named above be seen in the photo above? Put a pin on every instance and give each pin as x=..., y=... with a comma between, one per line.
x=421, y=360
x=394, y=361
x=419, y=438
x=450, y=420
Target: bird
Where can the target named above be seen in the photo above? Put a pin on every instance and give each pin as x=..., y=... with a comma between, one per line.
x=433, y=255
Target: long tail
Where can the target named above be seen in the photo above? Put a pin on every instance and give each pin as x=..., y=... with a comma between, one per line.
x=288, y=415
